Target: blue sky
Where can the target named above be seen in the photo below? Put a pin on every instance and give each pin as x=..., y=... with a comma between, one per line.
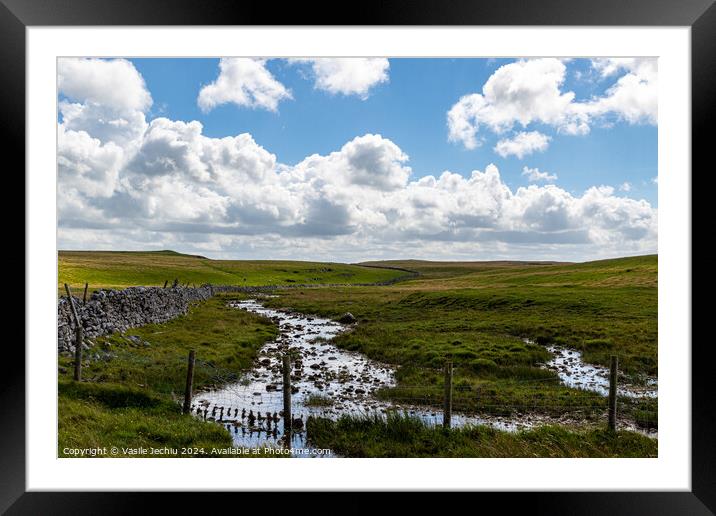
x=547, y=158
x=409, y=110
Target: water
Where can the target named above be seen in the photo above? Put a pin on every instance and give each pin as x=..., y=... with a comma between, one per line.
x=320, y=372
x=329, y=382
x=576, y=373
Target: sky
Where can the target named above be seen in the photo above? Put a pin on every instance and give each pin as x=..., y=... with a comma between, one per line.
x=359, y=158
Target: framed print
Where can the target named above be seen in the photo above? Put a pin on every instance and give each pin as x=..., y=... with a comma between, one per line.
x=436, y=249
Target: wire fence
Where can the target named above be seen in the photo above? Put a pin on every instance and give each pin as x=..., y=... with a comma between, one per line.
x=255, y=398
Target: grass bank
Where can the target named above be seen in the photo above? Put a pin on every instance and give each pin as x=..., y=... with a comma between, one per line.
x=400, y=436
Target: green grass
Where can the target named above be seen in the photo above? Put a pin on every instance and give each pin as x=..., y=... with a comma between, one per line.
x=601, y=308
x=130, y=390
x=109, y=269
x=106, y=415
x=317, y=400
x=400, y=436
x=475, y=314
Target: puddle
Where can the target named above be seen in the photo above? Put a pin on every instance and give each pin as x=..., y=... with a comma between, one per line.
x=575, y=373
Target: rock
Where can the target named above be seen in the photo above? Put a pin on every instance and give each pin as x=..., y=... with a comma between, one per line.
x=347, y=318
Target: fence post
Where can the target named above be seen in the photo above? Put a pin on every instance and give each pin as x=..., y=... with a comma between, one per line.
x=287, y=397
x=84, y=297
x=189, y=381
x=447, y=399
x=613, y=363
x=79, y=335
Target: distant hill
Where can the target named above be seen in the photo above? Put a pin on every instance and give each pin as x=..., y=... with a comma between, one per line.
x=120, y=269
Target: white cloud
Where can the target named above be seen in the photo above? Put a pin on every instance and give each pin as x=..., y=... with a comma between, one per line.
x=245, y=82
x=522, y=144
x=522, y=92
x=113, y=82
x=85, y=164
x=625, y=186
x=530, y=91
x=182, y=188
x=348, y=76
x=634, y=96
x=534, y=175
x=102, y=124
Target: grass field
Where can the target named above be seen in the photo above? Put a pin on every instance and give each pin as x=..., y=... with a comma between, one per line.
x=109, y=269
x=478, y=315
x=129, y=392
x=475, y=314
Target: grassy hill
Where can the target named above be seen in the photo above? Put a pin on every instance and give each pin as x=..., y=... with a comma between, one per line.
x=630, y=271
x=120, y=269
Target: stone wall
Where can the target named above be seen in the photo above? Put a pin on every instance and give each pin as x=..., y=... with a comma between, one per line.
x=107, y=311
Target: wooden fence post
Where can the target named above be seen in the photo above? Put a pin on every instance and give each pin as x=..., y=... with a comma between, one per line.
x=613, y=363
x=84, y=297
x=189, y=381
x=287, y=397
x=447, y=399
x=79, y=335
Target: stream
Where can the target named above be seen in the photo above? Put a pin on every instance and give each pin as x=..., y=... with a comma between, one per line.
x=328, y=382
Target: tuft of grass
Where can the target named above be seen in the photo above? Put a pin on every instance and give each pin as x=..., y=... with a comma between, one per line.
x=317, y=400
x=403, y=436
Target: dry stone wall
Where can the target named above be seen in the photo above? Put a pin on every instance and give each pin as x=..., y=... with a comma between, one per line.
x=107, y=311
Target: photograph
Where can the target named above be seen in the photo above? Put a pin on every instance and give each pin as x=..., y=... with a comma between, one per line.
x=357, y=257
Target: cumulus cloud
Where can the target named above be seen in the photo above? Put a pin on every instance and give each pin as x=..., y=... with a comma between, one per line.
x=245, y=82
x=530, y=91
x=534, y=175
x=625, y=186
x=102, y=123
x=113, y=82
x=348, y=76
x=522, y=144
x=211, y=193
x=634, y=96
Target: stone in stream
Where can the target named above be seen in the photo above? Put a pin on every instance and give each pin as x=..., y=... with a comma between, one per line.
x=347, y=318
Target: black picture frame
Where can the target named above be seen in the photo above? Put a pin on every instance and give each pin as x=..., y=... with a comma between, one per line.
x=700, y=15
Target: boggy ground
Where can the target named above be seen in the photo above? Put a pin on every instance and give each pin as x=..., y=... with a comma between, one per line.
x=479, y=316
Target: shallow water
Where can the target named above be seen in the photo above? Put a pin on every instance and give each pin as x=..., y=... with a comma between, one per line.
x=320, y=372
x=329, y=382
x=576, y=373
